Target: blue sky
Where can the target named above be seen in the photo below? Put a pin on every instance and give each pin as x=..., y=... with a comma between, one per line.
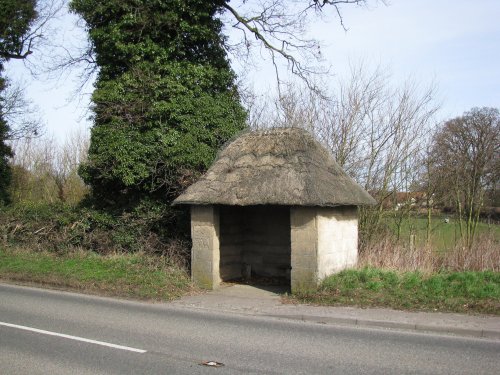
x=454, y=44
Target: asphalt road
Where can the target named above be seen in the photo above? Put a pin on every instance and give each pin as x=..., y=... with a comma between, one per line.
x=176, y=340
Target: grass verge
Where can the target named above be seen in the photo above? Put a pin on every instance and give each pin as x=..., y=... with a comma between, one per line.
x=471, y=292
x=133, y=276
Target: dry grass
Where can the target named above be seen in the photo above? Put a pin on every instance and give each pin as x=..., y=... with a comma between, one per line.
x=484, y=255
x=386, y=253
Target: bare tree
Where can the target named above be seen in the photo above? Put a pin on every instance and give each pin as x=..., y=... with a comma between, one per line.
x=72, y=153
x=70, y=54
x=279, y=28
x=32, y=167
x=428, y=185
x=19, y=112
x=45, y=171
x=25, y=28
x=374, y=130
x=466, y=162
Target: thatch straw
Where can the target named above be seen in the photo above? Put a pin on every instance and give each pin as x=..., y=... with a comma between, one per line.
x=284, y=166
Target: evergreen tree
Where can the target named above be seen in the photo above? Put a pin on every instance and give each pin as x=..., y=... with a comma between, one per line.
x=5, y=153
x=165, y=99
x=16, y=17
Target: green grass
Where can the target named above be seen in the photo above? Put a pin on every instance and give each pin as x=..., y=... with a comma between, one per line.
x=474, y=292
x=134, y=276
x=444, y=236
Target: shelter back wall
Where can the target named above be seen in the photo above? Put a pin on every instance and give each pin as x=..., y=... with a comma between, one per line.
x=255, y=235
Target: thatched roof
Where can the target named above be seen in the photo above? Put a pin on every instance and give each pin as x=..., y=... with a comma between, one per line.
x=283, y=166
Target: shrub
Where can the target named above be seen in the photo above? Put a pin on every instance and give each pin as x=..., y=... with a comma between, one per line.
x=60, y=228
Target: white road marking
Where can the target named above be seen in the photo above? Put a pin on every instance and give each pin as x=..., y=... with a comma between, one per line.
x=73, y=337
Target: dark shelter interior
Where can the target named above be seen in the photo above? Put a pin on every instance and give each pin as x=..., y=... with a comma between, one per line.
x=255, y=242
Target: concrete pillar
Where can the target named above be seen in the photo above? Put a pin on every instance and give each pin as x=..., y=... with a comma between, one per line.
x=304, y=247
x=337, y=239
x=323, y=241
x=205, y=253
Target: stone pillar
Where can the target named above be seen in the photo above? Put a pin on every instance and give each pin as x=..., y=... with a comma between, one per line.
x=304, y=247
x=205, y=253
x=323, y=241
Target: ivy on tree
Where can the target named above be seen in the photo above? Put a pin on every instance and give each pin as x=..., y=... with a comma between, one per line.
x=165, y=99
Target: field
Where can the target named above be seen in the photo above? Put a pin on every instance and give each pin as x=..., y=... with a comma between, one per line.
x=444, y=236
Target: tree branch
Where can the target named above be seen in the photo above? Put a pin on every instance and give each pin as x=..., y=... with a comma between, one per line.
x=280, y=28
